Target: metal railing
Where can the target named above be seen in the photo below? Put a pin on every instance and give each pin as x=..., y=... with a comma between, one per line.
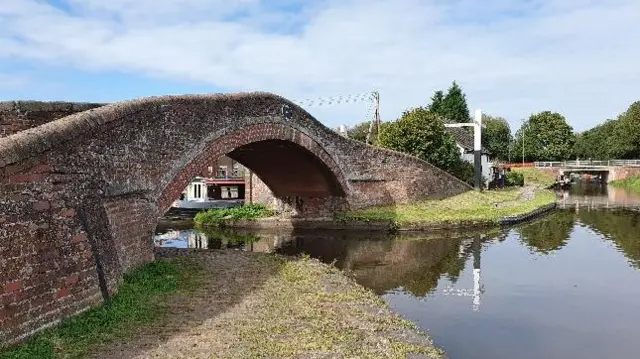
x=588, y=163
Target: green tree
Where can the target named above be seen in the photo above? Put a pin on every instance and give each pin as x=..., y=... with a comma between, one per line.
x=436, y=103
x=597, y=143
x=625, y=140
x=421, y=133
x=547, y=137
x=454, y=105
x=496, y=136
x=359, y=131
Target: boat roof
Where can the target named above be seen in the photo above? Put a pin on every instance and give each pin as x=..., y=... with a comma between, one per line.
x=223, y=181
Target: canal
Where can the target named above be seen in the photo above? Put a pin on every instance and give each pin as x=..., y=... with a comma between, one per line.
x=564, y=286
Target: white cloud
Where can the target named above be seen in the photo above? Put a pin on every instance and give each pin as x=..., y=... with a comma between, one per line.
x=576, y=57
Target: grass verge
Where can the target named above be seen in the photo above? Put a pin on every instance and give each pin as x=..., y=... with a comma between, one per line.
x=136, y=304
x=469, y=207
x=215, y=217
x=310, y=309
x=631, y=184
x=536, y=176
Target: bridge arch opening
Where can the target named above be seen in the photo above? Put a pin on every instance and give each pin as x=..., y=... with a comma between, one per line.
x=287, y=161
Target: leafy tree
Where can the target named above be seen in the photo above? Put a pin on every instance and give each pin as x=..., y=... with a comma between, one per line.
x=359, y=132
x=625, y=141
x=547, y=137
x=421, y=133
x=454, y=105
x=496, y=136
x=596, y=143
x=613, y=139
x=436, y=103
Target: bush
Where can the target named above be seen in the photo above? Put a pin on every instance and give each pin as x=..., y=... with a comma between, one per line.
x=216, y=216
x=464, y=171
x=514, y=179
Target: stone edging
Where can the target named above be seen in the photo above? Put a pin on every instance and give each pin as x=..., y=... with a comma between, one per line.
x=536, y=213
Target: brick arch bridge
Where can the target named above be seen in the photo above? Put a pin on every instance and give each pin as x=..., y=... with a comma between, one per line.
x=82, y=185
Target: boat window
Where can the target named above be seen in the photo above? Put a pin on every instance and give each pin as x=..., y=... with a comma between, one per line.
x=229, y=191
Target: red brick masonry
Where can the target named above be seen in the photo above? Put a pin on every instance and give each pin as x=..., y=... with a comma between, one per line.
x=82, y=185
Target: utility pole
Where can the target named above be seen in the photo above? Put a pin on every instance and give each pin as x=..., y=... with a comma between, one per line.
x=376, y=117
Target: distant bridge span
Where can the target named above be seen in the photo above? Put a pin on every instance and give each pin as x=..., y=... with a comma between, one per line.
x=613, y=169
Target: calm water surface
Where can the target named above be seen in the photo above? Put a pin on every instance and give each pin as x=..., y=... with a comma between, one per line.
x=566, y=286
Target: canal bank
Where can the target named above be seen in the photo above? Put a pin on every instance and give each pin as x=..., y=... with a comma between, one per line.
x=243, y=305
x=537, y=290
x=470, y=210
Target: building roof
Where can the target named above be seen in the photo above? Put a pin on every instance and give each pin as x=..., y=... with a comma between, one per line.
x=463, y=137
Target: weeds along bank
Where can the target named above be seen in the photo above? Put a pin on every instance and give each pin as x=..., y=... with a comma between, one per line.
x=631, y=184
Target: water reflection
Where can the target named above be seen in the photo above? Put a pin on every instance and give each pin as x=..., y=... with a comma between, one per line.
x=592, y=195
x=549, y=233
x=548, y=289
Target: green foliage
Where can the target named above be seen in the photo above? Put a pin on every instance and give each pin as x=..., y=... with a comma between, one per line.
x=597, y=143
x=463, y=170
x=421, y=133
x=514, y=179
x=216, y=216
x=454, y=105
x=496, y=136
x=136, y=304
x=437, y=103
x=625, y=141
x=631, y=184
x=359, y=132
x=547, y=137
x=614, y=139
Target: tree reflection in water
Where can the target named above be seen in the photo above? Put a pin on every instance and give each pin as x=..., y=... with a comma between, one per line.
x=619, y=226
x=415, y=263
x=549, y=233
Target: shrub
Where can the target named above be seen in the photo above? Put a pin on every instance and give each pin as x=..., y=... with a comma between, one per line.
x=216, y=216
x=514, y=179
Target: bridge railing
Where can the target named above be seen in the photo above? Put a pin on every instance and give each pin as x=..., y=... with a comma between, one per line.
x=588, y=163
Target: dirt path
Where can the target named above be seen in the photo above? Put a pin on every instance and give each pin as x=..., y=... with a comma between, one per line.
x=527, y=193
x=255, y=305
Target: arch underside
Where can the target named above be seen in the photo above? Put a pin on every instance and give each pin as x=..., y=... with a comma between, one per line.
x=288, y=169
x=288, y=161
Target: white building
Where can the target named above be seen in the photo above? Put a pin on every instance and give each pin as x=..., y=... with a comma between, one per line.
x=464, y=141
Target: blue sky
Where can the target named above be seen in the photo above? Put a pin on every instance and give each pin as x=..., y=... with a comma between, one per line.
x=512, y=58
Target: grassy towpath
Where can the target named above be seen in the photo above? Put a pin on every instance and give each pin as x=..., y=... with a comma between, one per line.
x=238, y=305
x=468, y=208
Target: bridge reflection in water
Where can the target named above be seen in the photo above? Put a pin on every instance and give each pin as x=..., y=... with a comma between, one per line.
x=591, y=195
